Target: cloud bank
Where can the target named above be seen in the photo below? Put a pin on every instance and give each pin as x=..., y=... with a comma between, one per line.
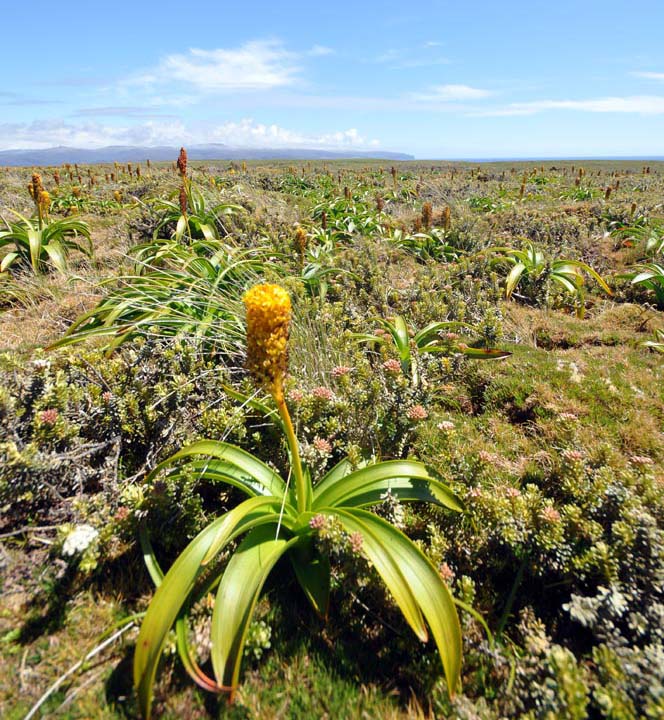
x=243, y=133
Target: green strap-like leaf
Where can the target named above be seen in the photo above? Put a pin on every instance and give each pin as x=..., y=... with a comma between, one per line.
x=8, y=260
x=368, y=338
x=379, y=549
x=430, y=332
x=35, y=239
x=399, y=331
x=178, y=583
x=572, y=285
x=313, y=573
x=259, y=477
x=341, y=469
x=209, y=231
x=269, y=412
x=406, y=479
x=149, y=558
x=581, y=266
x=188, y=659
x=422, y=579
x=483, y=353
x=238, y=593
x=57, y=255
x=513, y=278
x=25, y=220
x=181, y=228
x=221, y=471
x=72, y=339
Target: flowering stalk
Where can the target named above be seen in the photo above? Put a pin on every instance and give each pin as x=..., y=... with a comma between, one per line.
x=301, y=243
x=268, y=324
x=301, y=487
x=339, y=498
x=184, y=188
x=35, y=188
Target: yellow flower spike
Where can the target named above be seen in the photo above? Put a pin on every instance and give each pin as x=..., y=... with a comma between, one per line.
x=268, y=323
x=301, y=240
x=44, y=202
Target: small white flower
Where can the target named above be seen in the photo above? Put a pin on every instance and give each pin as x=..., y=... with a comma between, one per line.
x=575, y=375
x=79, y=539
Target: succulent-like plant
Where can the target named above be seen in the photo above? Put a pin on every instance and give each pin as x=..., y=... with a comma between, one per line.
x=431, y=245
x=409, y=342
x=192, y=216
x=532, y=264
x=40, y=243
x=280, y=520
x=649, y=276
x=647, y=233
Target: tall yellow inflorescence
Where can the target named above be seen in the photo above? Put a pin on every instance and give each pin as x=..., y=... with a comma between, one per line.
x=268, y=323
x=35, y=187
x=44, y=203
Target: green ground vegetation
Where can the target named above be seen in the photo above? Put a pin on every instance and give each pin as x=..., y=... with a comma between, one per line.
x=501, y=324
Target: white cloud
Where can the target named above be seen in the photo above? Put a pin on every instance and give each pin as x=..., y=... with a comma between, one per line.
x=649, y=75
x=49, y=133
x=451, y=93
x=640, y=104
x=249, y=133
x=256, y=65
x=245, y=133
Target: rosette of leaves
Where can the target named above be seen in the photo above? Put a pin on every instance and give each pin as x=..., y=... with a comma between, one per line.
x=532, y=267
x=201, y=221
x=410, y=342
x=649, y=276
x=431, y=245
x=279, y=520
x=39, y=244
x=649, y=234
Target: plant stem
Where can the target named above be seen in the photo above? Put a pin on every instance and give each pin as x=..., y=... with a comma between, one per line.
x=301, y=487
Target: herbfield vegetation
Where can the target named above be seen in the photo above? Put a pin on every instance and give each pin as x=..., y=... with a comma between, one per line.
x=332, y=440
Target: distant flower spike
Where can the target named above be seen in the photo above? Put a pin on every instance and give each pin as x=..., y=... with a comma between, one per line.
x=44, y=202
x=182, y=162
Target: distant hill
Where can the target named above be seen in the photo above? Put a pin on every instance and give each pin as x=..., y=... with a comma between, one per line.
x=217, y=151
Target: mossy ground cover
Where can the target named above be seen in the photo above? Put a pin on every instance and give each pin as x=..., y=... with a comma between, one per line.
x=556, y=450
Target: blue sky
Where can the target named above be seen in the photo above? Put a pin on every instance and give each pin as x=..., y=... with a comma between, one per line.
x=514, y=78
